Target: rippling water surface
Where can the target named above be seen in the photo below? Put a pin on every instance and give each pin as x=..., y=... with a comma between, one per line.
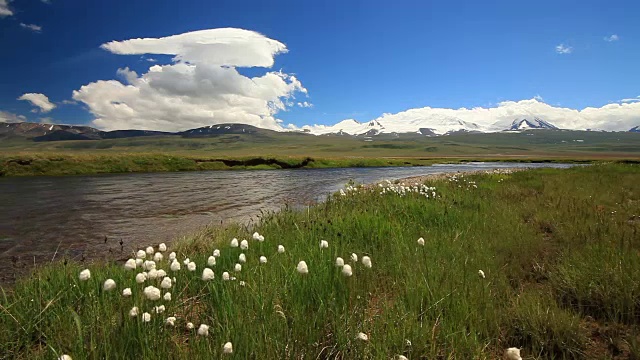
x=42, y=216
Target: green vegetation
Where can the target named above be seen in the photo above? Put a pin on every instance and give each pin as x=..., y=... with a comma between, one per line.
x=559, y=248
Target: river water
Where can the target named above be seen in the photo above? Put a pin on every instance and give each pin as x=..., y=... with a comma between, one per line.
x=72, y=216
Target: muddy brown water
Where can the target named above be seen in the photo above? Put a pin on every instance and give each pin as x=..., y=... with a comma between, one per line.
x=84, y=217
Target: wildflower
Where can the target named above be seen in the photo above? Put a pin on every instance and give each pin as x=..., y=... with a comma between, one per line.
x=242, y=258
x=207, y=274
x=152, y=293
x=211, y=261
x=162, y=247
x=167, y=296
x=175, y=266
x=139, y=262
x=237, y=268
x=263, y=259
x=146, y=317
x=407, y=342
x=190, y=326
x=191, y=266
x=85, y=275
x=339, y=262
x=255, y=236
x=148, y=265
x=203, y=330
x=216, y=253
x=65, y=357
x=280, y=249
x=130, y=264
x=366, y=261
x=421, y=241
x=159, y=309
x=242, y=283
x=481, y=274
x=261, y=238
x=346, y=270
x=244, y=245
x=166, y=283
x=227, y=348
x=362, y=336
x=134, y=311
x=126, y=292
x=171, y=320
x=109, y=285
x=354, y=257
x=161, y=273
x=152, y=274
x=234, y=242
x=342, y=192
x=186, y=261
x=141, y=254
x=149, y=250
x=302, y=268
x=172, y=256
x=158, y=257
x=513, y=354
x=324, y=244
x=141, y=277
x=402, y=357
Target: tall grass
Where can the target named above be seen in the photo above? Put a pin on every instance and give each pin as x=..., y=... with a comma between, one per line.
x=557, y=247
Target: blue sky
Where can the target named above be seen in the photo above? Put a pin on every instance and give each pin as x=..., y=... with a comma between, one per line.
x=357, y=59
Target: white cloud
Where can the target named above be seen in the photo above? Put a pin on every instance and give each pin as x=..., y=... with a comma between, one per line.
x=305, y=104
x=630, y=100
x=562, y=49
x=32, y=27
x=611, y=38
x=39, y=100
x=538, y=97
x=201, y=87
x=4, y=8
x=11, y=117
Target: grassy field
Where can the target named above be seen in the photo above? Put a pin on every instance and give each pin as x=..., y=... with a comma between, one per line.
x=20, y=157
x=559, y=252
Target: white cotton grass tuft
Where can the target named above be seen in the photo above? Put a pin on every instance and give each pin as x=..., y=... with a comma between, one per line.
x=175, y=266
x=167, y=296
x=242, y=283
x=65, y=357
x=149, y=250
x=354, y=257
x=161, y=273
x=139, y=262
x=152, y=293
x=166, y=283
x=171, y=321
x=324, y=244
x=190, y=326
x=159, y=309
x=157, y=257
x=130, y=264
x=126, y=292
x=280, y=249
x=237, y=268
x=141, y=254
x=162, y=247
x=225, y=276
x=211, y=261
x=366, y=261
x=134, y=311
x=421, y=241
x=346, y=270
x=84, y=275
x=402, y=357
x=242, y=258
x=186, y=261
x=244, y=245
x=216, y=253
x=141, y=277
x=109, y=285
x=339, y=262
x=362, y=336
x=302, y=268
x=258, y=237
x=191, y=266
x=512, y=354
x=261, y=238
x=152, y=274
x=207, y=274
x=481, y=274
x=149, y=264
x=146, y=317
x=172, y=256
x=227, y=348
x=263, y=259
x=203, y=330
x=234, y=242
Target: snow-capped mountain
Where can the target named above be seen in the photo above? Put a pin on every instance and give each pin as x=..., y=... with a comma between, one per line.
x=536, y=123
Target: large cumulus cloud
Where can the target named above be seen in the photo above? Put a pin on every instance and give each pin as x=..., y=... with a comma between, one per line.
x=200, y=87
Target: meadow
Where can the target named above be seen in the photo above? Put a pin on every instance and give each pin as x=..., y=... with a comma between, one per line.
x=463, y=267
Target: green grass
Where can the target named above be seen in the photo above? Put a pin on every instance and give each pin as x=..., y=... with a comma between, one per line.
x=559, y=249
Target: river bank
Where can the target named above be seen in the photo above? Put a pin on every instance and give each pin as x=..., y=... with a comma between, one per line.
x=510, y=258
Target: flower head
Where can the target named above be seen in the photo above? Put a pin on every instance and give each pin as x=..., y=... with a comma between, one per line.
x=481, y=274
x=237, y=268
x=242, y=258
x=186, y=261
x=171, y=320
x=167, y=296
x=346, y=270
x=354, y=257
x=172, y=256
x=513, y=354
x=216, y=253
x=134, y=311
x=421, y=242
x=234, y=242
x=65, y=357
x=366, y=261
x=324, y=244
x=141, y=277
x=148, y=265
x=203, y=330
x=263, y=259
x=130, y=264
x=207, y=274
x=280, y=249
x=157, y=257
x=162, y=247
x=141, y=254
x=175, y=266
x=244, y=245
x=302, y=267
x=190, y=325
x=261, y=238
x=211, y=261
x=152, y=293
x=149, y=250
x=146, y=317
x=161, y=273
x=84, y=275
x=109, y=285
x=139, y=262
x=191, y=266
x=126, y=292
x=339, y=262
x=227, y=348
x=225, y=276
x=402, y=357
x=159, y=309
x=152, y=274
x=255, y=236
x=362, y=336
x=166, y=283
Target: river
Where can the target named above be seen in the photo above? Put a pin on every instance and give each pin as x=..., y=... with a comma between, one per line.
x=83, y=217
